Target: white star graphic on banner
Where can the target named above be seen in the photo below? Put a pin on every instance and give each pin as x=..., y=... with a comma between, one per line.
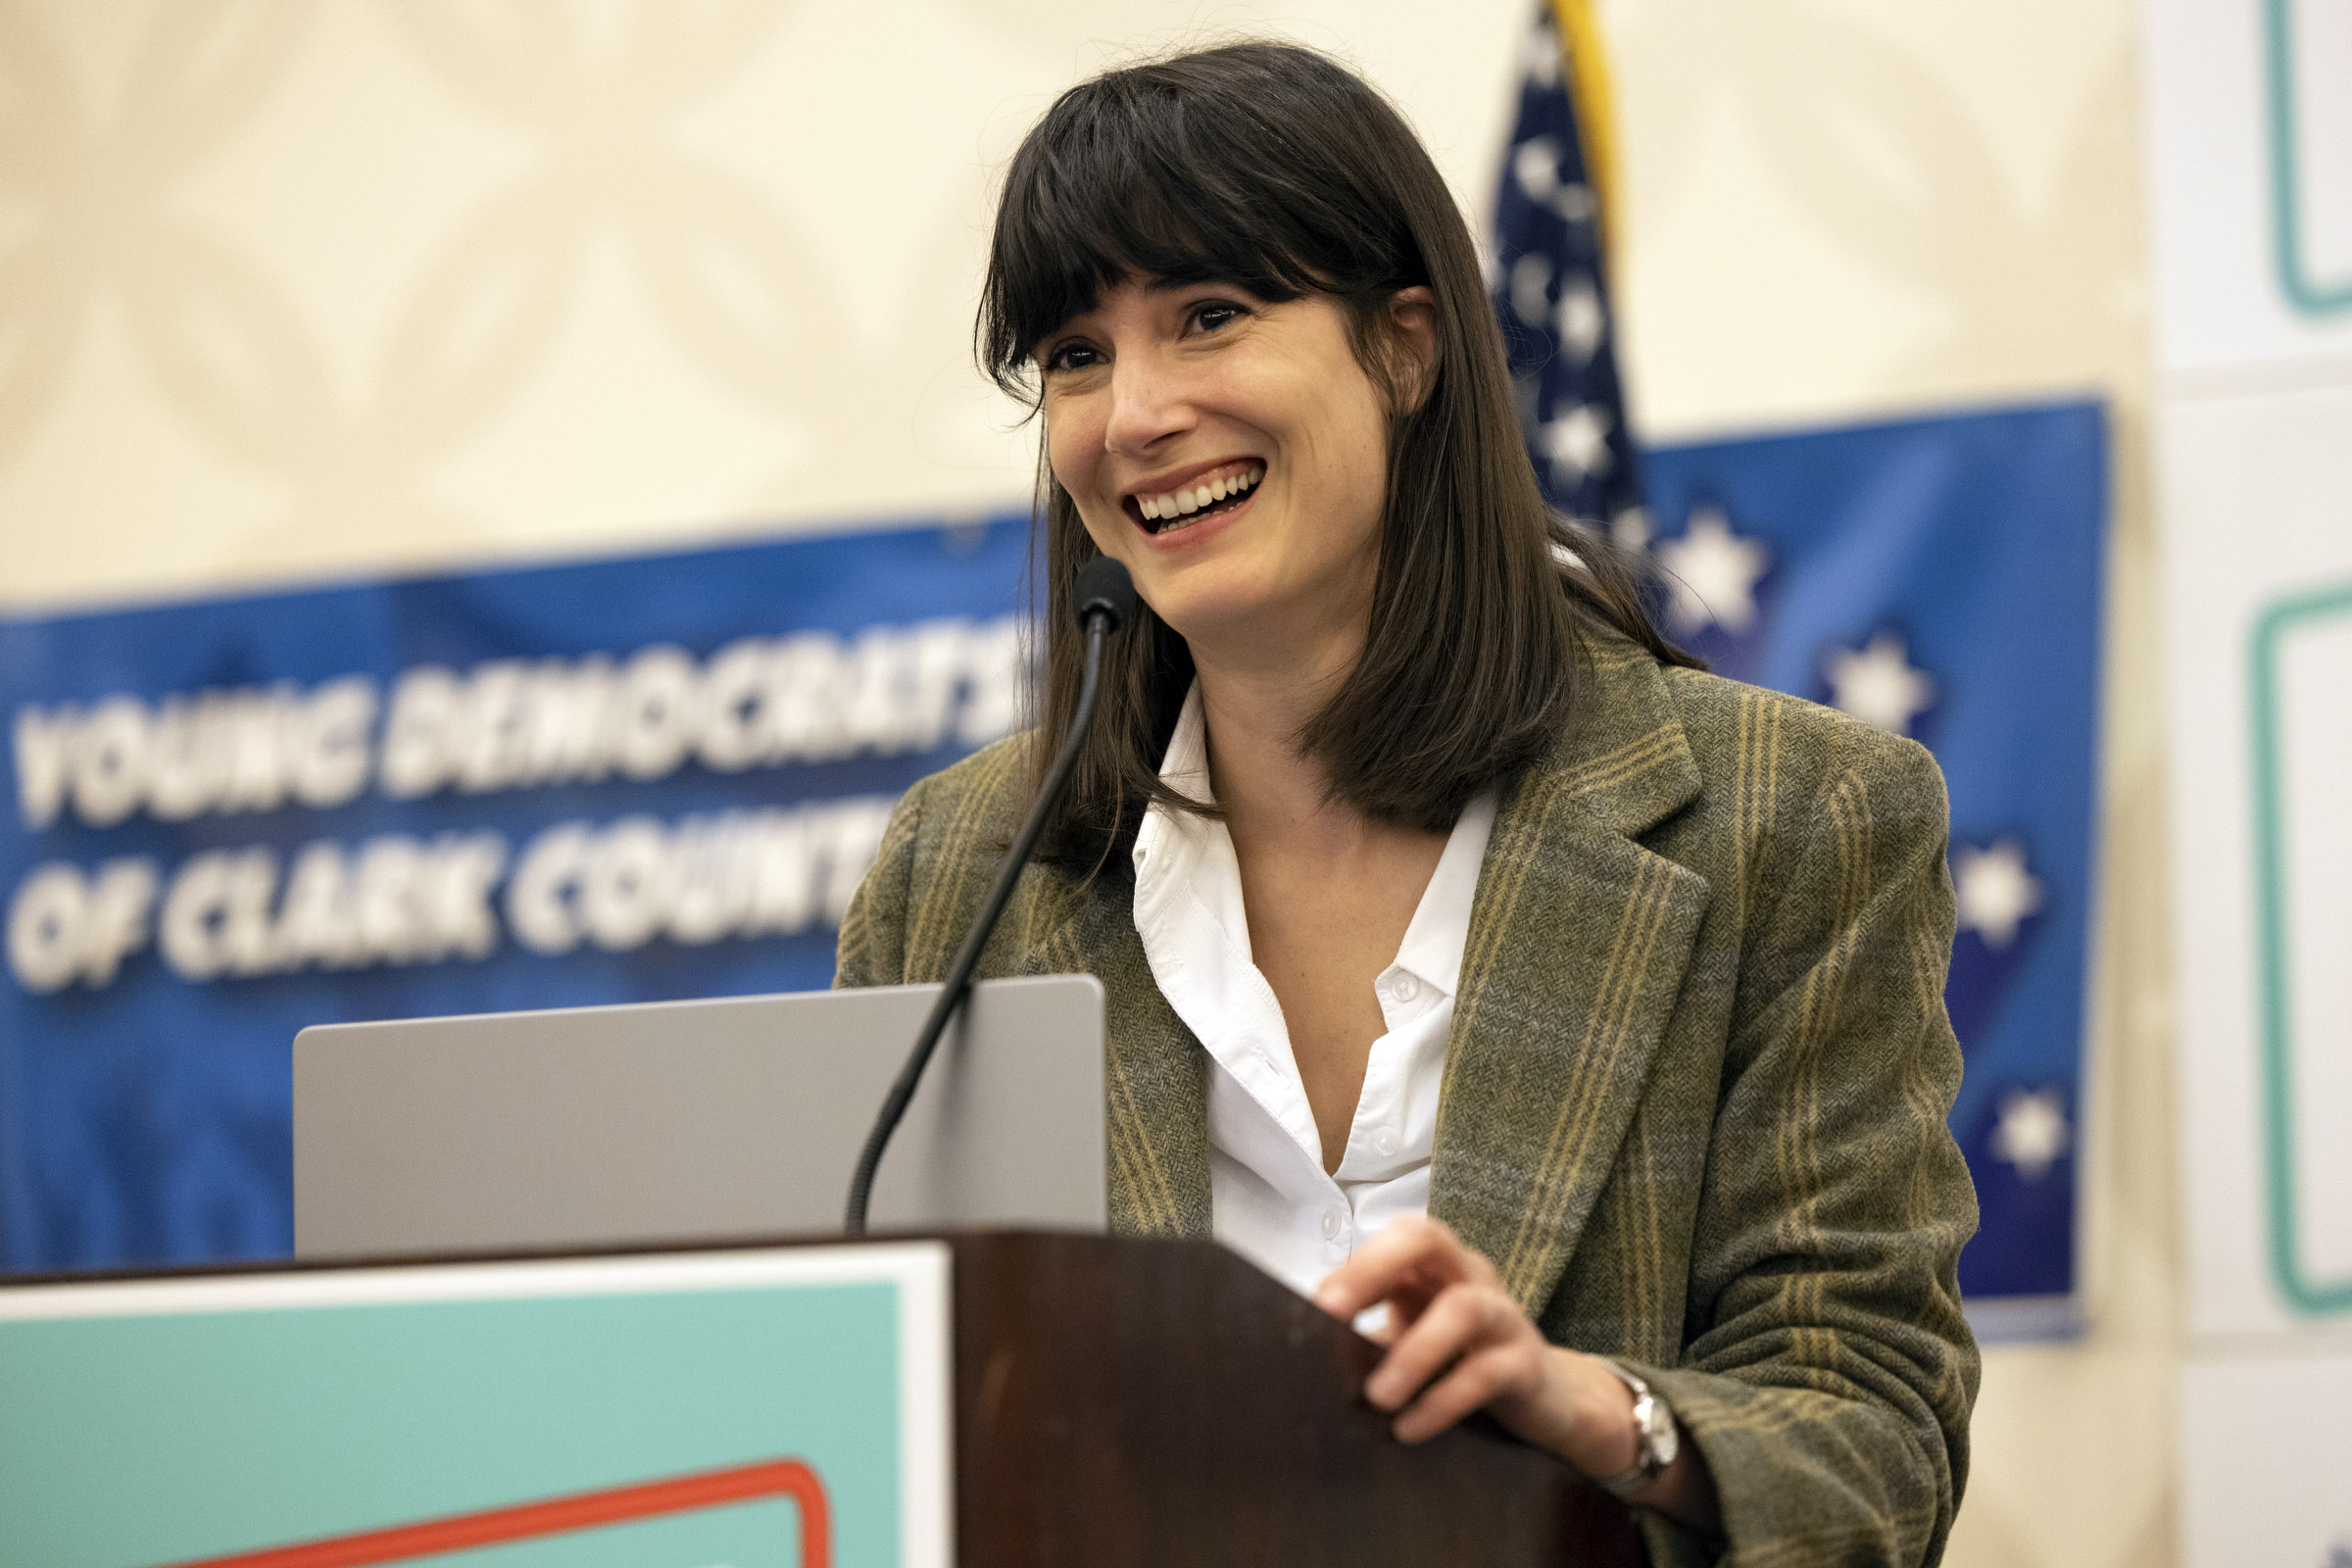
x=1711, y=575
x=1578, y=442
x=1995, y=892
x=1878, y=685
x=2032, y=1132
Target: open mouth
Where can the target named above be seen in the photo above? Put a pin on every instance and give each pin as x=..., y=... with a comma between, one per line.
x=1198, y=500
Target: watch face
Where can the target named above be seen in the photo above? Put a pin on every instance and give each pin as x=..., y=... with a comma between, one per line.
x=1661, y=1441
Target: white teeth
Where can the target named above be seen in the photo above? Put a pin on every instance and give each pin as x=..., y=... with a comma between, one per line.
x=1184, y=503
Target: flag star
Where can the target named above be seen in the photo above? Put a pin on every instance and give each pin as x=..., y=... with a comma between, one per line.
x=1535, y=162
x=1711, y=574
x=1576, y=203
x=1530, y=288
x=1995, y=892
x=1878, y=684
x=1527, y=390
x=1629, y=530
x=2032, y=1132
x=1579, y=320
x=1536, y=165
x=1543, y=61
x=1577, y=441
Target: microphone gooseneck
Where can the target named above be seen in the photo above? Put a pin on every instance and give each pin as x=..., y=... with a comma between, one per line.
x=1106, y=601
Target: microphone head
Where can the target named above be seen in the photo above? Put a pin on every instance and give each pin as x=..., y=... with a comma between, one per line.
x=1105, y=589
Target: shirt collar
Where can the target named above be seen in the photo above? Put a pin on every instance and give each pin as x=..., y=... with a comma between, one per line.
x=1177, y=852
x=1433, y=946
x=1184, y=767
x=1168, y=844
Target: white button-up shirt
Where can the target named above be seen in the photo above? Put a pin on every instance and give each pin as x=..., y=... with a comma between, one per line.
x=1273, y=1201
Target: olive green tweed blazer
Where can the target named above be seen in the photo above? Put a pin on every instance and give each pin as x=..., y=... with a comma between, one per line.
x=1694, y=1097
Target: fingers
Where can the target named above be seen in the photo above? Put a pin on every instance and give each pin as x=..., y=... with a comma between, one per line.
x=1456, y=1339
x=1411, y=1260
x=1461, y=1320
x=1489, y=1378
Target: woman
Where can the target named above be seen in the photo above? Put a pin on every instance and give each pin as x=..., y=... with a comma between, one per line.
x=1466, y=951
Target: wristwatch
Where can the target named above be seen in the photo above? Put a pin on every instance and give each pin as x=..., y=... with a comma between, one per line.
x=1656, y=1439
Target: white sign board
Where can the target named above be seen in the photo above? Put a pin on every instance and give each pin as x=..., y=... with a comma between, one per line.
x=2257, y=497
x=2264, y=1449
x=2250, y=138
x=2250, y=144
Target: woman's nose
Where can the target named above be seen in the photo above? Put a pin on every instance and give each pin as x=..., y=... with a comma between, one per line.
x=1148, y=403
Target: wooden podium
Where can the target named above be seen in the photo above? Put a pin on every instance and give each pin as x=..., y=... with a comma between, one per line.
x=986, y=1398
x=1141, y=1401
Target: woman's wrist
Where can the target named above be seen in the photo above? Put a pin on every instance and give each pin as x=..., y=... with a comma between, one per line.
x=1590, y=1417
x=1592, y=1429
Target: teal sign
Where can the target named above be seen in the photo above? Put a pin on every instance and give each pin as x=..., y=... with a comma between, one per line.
x=781, y=1409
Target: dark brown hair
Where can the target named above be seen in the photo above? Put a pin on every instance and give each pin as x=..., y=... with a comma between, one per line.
x=1274, y=169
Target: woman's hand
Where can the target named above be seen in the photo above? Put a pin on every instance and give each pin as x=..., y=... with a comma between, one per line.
x=1458, y=1342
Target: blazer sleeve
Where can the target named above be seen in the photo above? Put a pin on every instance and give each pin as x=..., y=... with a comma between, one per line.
x=1829, y=1373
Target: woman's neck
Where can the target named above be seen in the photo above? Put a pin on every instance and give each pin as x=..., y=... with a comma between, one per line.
x=1264, y=784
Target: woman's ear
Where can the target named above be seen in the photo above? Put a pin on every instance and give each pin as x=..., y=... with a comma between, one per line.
x=1412, y=333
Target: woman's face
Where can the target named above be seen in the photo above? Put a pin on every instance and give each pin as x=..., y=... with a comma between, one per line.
x=1231, y=453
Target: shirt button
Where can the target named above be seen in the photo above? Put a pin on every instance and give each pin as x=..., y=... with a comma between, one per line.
x=1405, y=988
x=1331, y=1224
x=1384, y=1144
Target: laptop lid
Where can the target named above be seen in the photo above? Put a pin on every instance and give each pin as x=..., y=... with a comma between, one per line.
x=731, y=1116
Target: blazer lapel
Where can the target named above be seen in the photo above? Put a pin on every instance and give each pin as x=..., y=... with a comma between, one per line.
x=1577, y=941
x=1155, y=1073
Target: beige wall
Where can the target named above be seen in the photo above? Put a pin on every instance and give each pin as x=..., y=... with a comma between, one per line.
x=291, y=290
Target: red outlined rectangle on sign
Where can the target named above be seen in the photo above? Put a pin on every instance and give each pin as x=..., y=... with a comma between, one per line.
x=581, y=1511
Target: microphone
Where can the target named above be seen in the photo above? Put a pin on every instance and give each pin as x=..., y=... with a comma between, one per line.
x=1106, y=601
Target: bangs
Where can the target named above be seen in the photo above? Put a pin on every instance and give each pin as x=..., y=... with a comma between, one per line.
x=1187, y=170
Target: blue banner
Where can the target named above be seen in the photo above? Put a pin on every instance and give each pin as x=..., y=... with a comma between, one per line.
x=629, y=780
x=1942, y=578
x=616, y=781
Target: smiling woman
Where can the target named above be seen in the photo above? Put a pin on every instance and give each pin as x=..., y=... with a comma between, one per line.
x=1286, y=267
x=1467, y=951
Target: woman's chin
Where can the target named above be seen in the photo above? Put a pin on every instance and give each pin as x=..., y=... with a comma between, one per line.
x=1251, y=624
x=1202, y=612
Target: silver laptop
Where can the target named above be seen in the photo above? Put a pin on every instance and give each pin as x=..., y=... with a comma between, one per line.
x=666, y=1122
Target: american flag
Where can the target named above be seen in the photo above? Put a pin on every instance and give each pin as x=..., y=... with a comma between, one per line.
x=1552, y=292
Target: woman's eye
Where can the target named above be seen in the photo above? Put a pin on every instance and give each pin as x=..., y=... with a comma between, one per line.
x=1072, y=357
x=1214, y=315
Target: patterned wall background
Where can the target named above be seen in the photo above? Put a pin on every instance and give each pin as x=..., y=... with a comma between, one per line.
x=304, y=289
